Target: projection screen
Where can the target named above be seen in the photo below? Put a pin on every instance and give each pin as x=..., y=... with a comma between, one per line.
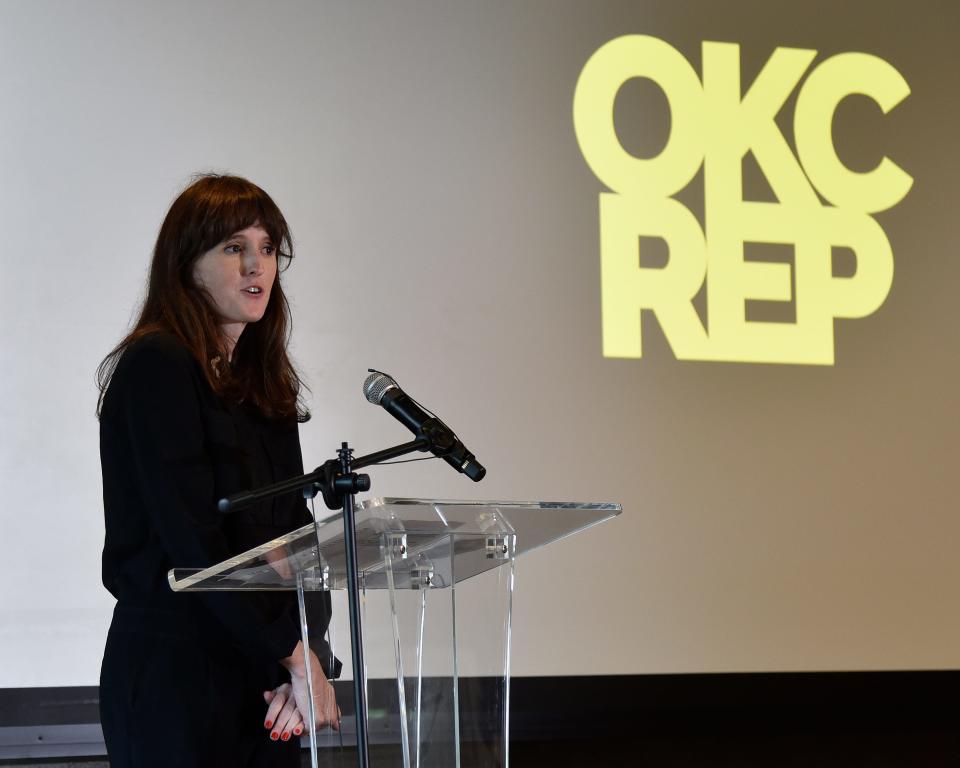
x=694, y=257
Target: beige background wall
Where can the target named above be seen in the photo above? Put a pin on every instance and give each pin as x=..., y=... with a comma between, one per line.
x=775, y=517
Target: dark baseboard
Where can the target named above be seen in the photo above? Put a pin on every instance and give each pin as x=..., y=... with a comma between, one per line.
x=745, y=719
x=551, y=707
x=802, y=720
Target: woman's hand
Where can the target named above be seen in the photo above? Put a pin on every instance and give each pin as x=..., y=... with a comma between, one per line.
x=277, y=559
x=283, y=719
x=325, y=700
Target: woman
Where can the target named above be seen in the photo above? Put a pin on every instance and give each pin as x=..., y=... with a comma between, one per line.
x=199, y=401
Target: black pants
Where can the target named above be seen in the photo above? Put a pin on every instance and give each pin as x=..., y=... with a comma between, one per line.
x=167, y=702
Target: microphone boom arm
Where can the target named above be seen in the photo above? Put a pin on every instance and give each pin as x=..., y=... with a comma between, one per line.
x=321, y=480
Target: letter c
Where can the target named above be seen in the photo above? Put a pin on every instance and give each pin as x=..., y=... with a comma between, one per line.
x=831, y=82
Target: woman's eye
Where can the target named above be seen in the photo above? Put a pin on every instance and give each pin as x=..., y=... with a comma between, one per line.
x=268, y=249
x=232, y=248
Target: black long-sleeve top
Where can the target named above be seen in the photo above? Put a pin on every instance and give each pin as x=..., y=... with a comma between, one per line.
x=169, y=448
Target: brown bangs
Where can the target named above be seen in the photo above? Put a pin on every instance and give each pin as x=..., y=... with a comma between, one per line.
x=225, y=205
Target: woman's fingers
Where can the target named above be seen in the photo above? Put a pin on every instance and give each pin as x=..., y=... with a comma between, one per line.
x=283, y=725
x=278, y=699
x=288, y=707
x=295, y=725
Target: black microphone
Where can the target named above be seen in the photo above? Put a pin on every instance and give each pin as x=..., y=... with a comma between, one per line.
x=381, y=389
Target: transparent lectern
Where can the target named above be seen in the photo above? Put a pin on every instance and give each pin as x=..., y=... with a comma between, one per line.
x=414, y=553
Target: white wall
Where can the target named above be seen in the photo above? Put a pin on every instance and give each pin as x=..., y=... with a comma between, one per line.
x=774, y=517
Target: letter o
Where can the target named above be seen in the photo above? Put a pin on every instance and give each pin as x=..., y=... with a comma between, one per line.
x=601, y=79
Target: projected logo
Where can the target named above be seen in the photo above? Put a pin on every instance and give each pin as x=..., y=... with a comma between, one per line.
x=715, y=123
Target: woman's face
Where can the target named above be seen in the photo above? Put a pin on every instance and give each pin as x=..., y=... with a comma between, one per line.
x=238, y=275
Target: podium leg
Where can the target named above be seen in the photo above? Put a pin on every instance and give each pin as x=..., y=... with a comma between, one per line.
x=509, y=573
x=419, y=701
x=482, y=632
x=305, y=639
x=456, y=664
x=398, y=657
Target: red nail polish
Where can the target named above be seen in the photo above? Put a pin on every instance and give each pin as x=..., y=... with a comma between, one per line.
x=274, y=736
x=268, y=724
x=286, y=736
x=297, y=731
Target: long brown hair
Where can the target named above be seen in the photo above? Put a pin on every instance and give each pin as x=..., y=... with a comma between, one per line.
x=206, y=213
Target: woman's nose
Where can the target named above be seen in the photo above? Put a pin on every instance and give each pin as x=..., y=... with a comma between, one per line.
x=253, y=265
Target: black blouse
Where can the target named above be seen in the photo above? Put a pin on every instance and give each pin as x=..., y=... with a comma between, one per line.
x=169, y=448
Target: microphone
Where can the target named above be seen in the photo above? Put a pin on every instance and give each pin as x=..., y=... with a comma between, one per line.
x=381, y=389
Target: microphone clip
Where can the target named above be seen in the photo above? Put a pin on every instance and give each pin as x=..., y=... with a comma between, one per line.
x=334, y=484
x=441, y=440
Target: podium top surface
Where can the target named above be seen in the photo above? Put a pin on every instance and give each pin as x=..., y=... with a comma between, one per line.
x=452, y=540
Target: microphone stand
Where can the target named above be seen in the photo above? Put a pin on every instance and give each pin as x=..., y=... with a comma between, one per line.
x=338, y=482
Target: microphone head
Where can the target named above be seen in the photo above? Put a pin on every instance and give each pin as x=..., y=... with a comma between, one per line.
x=376, y=385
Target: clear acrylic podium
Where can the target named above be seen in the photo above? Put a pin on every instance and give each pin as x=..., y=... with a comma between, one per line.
x=412, y=553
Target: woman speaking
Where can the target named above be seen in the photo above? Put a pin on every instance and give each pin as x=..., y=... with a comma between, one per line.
x=197, y=402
